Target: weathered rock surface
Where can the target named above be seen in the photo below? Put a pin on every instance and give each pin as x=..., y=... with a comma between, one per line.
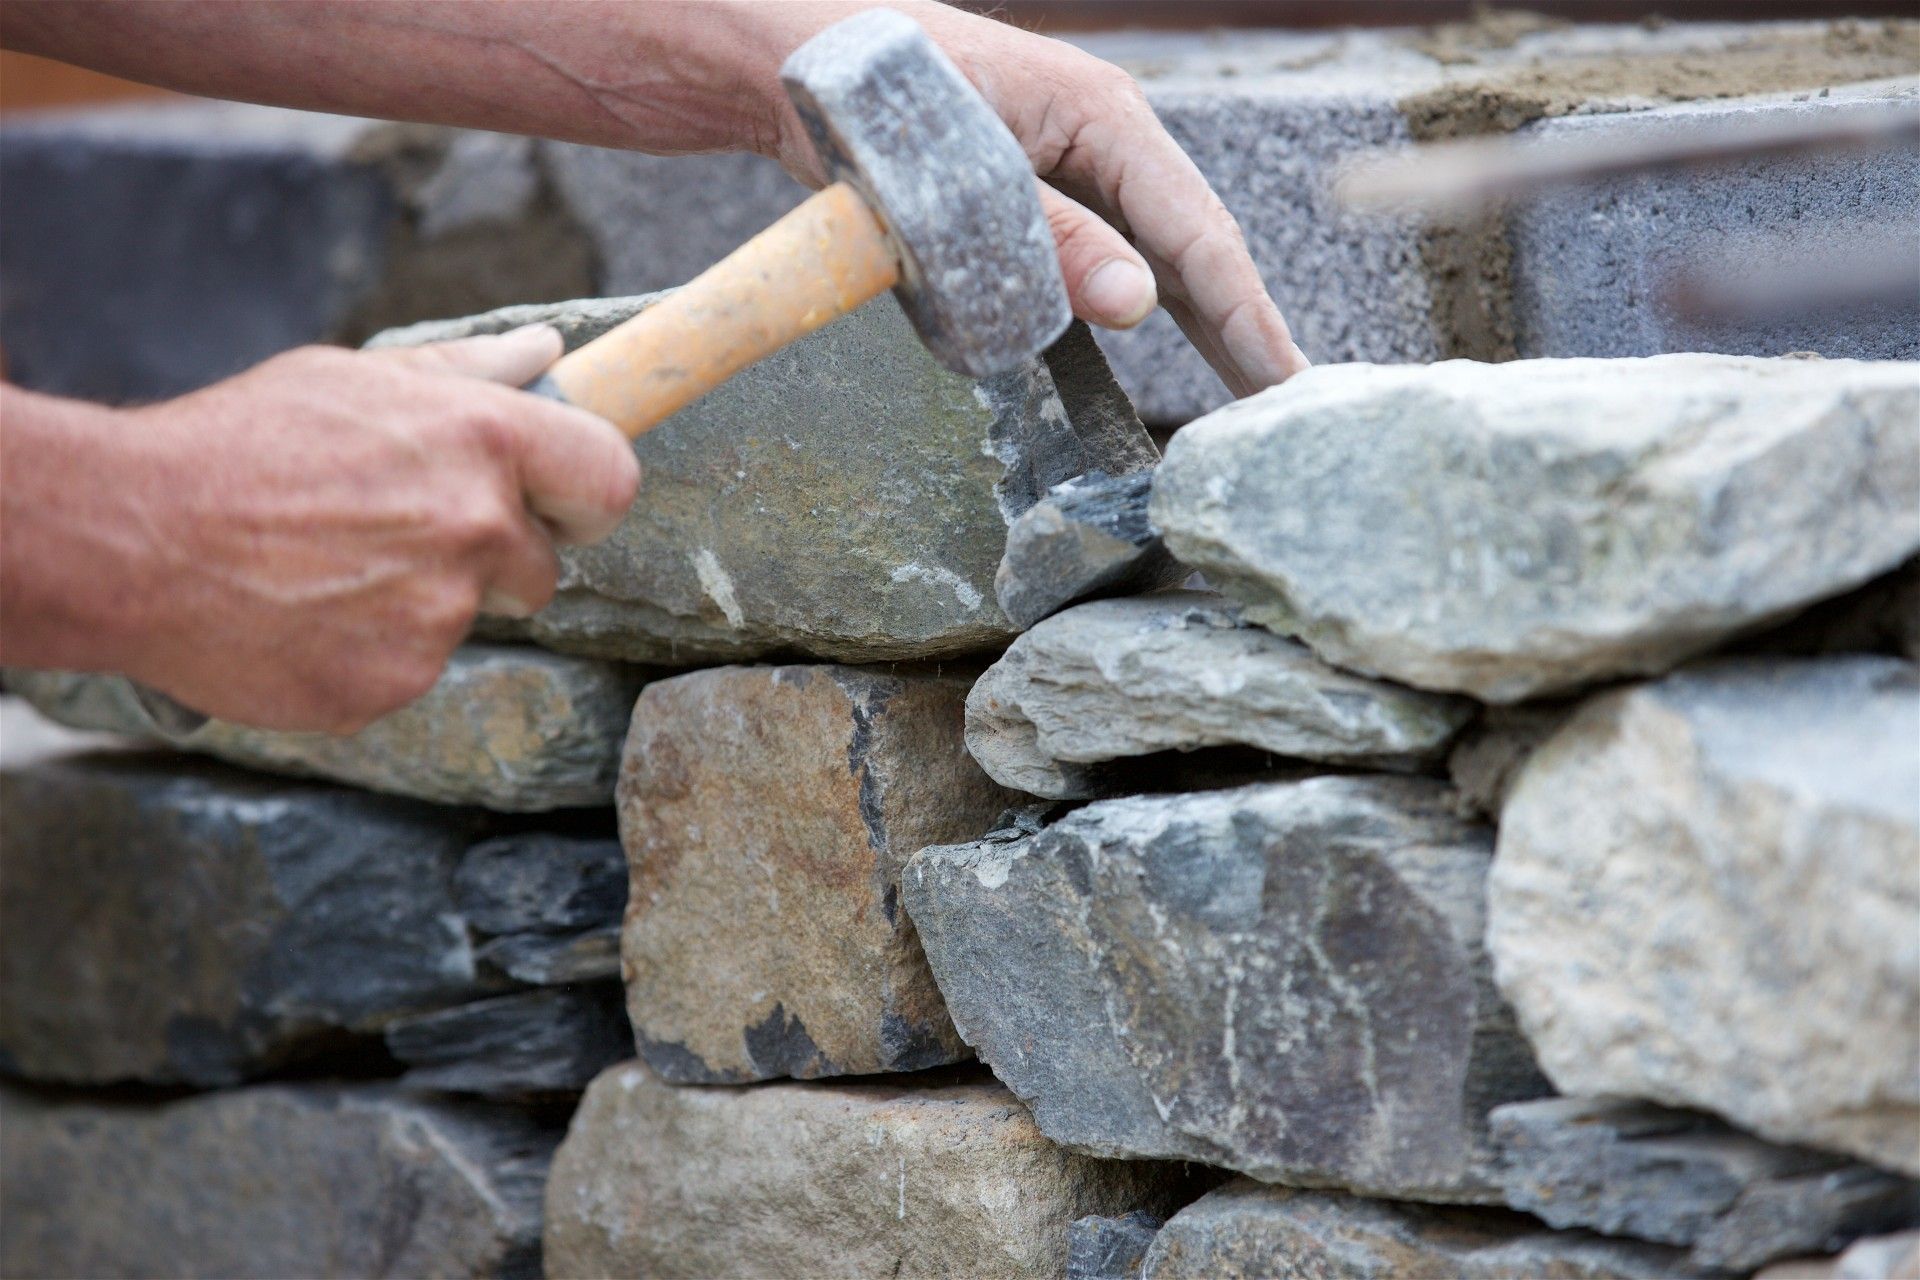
x=1110, y=1248
x=847, y=498
x=306, y=1180
x=1248, y=1230
x=767, y=813
x=1705, y=895
x=506, y=727
x=1286, y=980
x=1678, y=1177
x=1088, y=536
x=1488, y=756
x=548, y=1041
x=1178, y=671
x=1516, y=529
x=817, y=1180
x=174, y=921
x=537, y=882
x=1894, y=1257
x=168, y=921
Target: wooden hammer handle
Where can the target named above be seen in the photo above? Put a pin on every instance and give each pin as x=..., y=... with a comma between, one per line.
x=810, y=268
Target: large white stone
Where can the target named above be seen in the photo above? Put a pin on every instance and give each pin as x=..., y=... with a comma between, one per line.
x=1707, y=893
x=1515, y=529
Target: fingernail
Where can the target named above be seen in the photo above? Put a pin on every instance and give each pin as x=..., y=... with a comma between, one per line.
x=1119, y=292
x=502, y=605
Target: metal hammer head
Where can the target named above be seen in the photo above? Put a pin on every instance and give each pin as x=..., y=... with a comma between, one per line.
x=891, y=115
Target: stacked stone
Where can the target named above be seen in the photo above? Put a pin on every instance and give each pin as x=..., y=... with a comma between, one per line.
x=1501, y=861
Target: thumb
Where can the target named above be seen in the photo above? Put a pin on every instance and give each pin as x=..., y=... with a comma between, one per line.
x=515, y=357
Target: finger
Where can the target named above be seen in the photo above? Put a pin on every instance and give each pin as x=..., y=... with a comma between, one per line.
x=577, y=471
x=1107, y=279
x=1122, y=162
x=514, y=358
x=521, y=580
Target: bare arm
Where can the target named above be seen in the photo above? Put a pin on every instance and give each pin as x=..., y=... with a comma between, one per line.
x=1129, y=209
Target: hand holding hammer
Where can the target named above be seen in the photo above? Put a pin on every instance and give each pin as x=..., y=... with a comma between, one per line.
x=932, y=198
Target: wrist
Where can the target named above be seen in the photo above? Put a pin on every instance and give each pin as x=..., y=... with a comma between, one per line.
x=81, y=579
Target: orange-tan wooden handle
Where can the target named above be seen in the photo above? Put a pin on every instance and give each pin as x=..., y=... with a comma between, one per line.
x=810, y=268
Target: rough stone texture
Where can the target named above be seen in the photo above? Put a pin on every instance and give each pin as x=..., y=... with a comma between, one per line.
x=1894, y=1257
x=767, y=813
x=842, y=1180
x=274, y=1181
x=171, y=922
x=538, y=882
x=1513, y=530
x=1677, y=1177
x=845, y=498
x=1088, y=536
x=530, y=1042
x=507, y=727
x=1705, y=895
x=1245, y=1230
x=119, y=286
x=174, y=921
x=1286, y=980
x=1110, y=1248
x=1179, y=671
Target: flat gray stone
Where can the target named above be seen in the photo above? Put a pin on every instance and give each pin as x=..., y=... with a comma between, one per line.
x=866, y=1180
x=1678, y=1177
x=1246, y=1229
x=172, y=921
x=1167, y=945
x=531, y=1042
x=1110, y=1248
x=846, y=498
x=555, y=959
x=285, y=1180
x=1705, y=895
x=1179, y=671
x=507, y=727
x=1088, y=536
x=1520, y=529
x=767, y=813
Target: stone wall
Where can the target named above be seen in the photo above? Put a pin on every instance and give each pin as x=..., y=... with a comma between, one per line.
x=1442, y=819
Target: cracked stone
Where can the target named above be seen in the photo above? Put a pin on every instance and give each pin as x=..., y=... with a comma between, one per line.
x=767, y=813
x=1088, y=536
x=1166, y=945
x=846, y=498
x=1705, y=896
x=1511, y=530
x=1179, y=671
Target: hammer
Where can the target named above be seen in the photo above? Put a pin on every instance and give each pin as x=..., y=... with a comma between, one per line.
x=932, y=197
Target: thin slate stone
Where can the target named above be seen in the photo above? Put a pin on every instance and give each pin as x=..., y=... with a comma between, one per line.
x=1088, y=536
x=530, y=1042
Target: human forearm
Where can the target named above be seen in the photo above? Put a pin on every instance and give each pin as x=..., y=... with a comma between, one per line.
x=662, y=77
x=77, y=552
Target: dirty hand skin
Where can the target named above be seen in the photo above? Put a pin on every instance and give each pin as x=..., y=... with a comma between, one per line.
x=300, y=547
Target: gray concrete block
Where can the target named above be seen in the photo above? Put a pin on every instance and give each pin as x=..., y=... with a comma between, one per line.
x=1594, y=268
x=151, y=250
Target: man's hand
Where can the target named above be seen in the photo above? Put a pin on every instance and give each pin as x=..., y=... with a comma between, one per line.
x=301, y=546
x=1129, y=209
